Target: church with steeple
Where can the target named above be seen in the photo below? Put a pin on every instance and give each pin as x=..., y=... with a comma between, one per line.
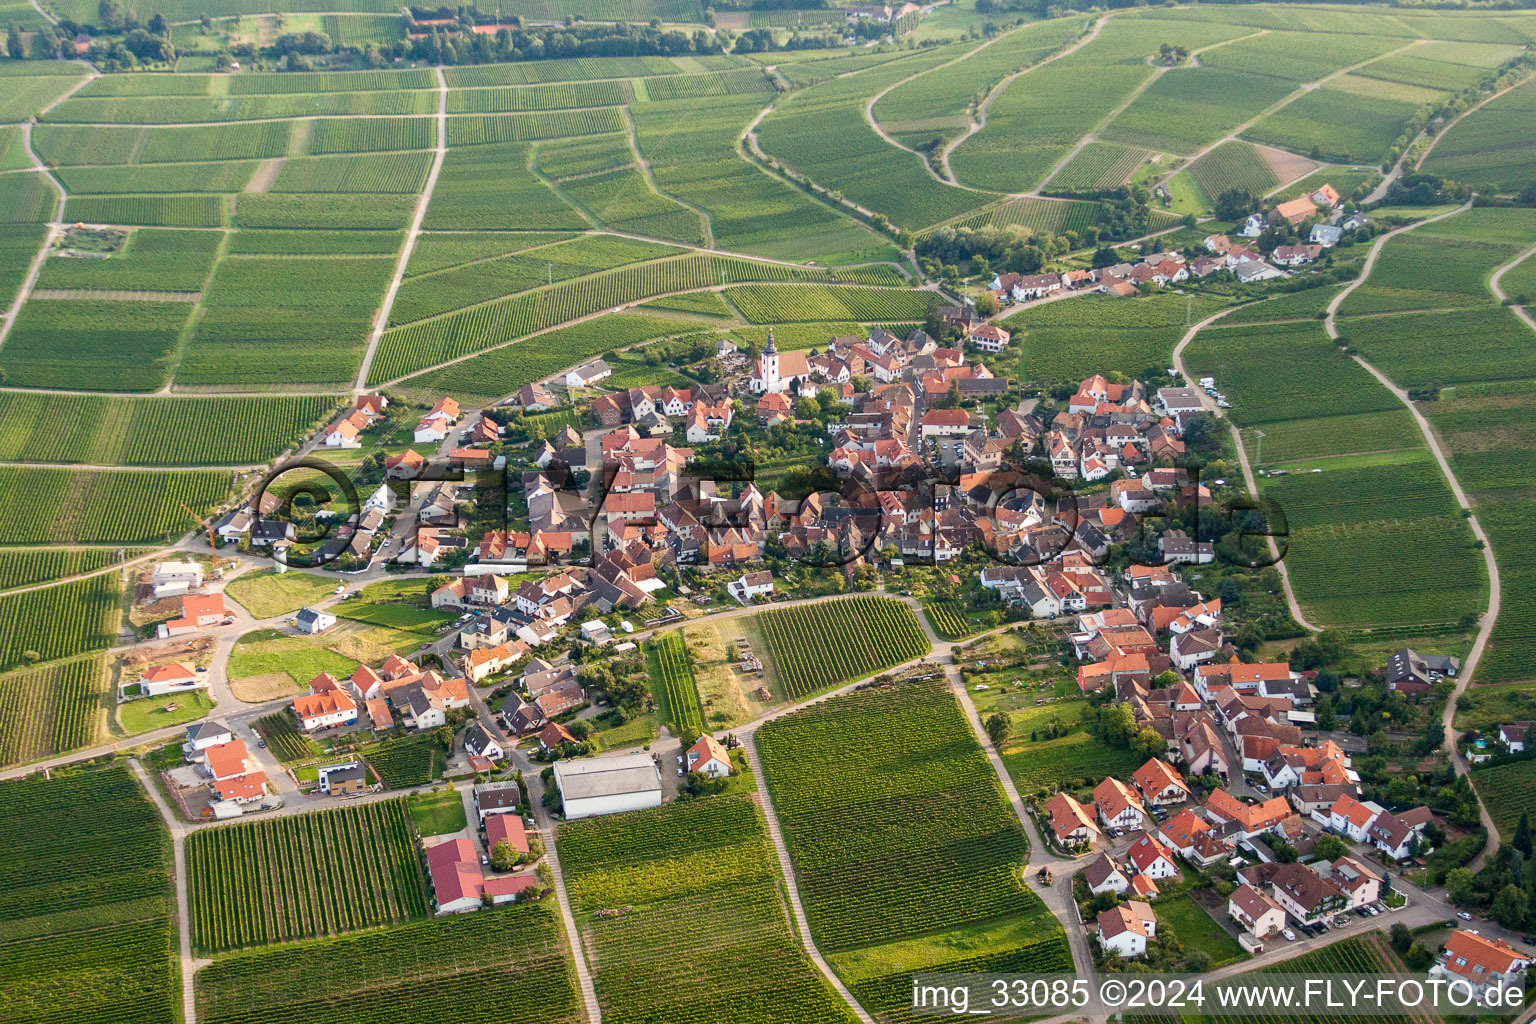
x=780, y=372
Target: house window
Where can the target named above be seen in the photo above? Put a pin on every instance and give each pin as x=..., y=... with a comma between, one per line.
x=1477, y=969
x=1461, y=961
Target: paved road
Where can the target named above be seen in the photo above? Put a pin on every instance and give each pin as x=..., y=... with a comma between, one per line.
x=189, y=966
x=1480, y=643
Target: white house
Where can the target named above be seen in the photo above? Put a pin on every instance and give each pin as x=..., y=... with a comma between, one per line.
x=1486, y=966
x=1151, y=858
x=588, y=373
x=608, y=785
x=1125, y=929
x=1253, y=225
x=324, y=710
x=1352, y=818
x=381, y=500
x=478, y=742
x=202, y=735
x=709, y=756
x=1118, y=805
x=1257, y=913
x=314, y=620
x=430, y=432
x=752, y=584
x=163, y=679
x=1513, y=736
x=1361, y=883
x=1102, y=876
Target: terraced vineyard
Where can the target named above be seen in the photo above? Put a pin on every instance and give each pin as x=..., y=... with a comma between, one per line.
x=284, y=739
x=303, y=876
x=637, y=880
x=671, y=669
x=816, y=646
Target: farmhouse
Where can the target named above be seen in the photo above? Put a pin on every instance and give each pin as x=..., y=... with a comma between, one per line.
x=608, y=785
x=458, y=883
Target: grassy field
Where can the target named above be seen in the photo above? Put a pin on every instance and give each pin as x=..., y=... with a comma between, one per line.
x=268, y=593
x=437, y=814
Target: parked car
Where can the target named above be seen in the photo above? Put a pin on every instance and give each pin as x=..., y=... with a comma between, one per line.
x=1464, y=916
x=1289, y=935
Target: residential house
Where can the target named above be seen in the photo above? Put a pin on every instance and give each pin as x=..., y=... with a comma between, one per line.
x=1118, y=805
x=197, y=612
x=1398, y=835
x=314, y=620
x=708, y=756
x=1070, y=821
x=1160, y=783
x=174, y=678
x=1487, y=966
x=1514, y=735
x=1258, y=914
x=1411, y=672
x=1125, y=929
x=202, y=735
x=1361, y=883
x=1306, y=895
x=1151, y=858
x=1350, y=817
x=459, y=883
x=750, y=585
x=1102, y=876
x=479, y=742
x=173, y=579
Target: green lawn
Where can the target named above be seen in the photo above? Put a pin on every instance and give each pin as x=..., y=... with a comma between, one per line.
x=638, y=730
x=146, y=715
x=266, y=651
x=268, y=593
x=439, y=813
x=1196, y=930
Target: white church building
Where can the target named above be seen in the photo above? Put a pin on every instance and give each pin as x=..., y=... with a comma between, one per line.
x=776, y=371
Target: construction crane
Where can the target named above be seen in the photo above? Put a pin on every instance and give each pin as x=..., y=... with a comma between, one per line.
x=218, y=569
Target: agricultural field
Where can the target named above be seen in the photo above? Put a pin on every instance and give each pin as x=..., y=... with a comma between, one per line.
x=150, y=261
x=61, y=506
x=95, y=344
x=638, y=880
x=902, y=843
x=303, y=876
x=1188, y=108
x=773, y=304
x=1410, y=562
x=284, y=739
x=53, y=710
x=1494, y=147
x=1319, y=384
x=406, y=762
x=58, y=621
x=425, y=343
x=1069, y=340
x=87, y=936
x=948, y=620
x=182, y=431
x=1333, y=124
x=1051, y=747
x=1508, y=791
x=816, y=646
x=1098, y=166
x=1445, y=348
x=509, y=965
x=671, y=671
x=1486, y=428
x=1420, y=270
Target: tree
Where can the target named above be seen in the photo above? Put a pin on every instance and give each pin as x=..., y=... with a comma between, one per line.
x=1402, y=937
x=999, y=728
x=1509, y=906
x=1198, y=961
x=1104, y=256
x=503, y=855
x=1235, y=203
x=987, y=304
x=13, y=45
x=1419, y=958
x=1459, y=884
x=1522, y=840
x=45, y=45
x=1331, y=848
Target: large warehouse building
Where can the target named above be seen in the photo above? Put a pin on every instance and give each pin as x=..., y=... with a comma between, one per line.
x=608, y=785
